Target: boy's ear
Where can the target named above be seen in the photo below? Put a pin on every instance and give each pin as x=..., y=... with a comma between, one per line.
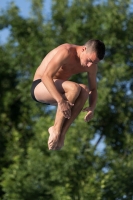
x=83, y=48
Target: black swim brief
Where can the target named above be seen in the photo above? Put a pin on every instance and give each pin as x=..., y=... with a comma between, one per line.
x=34, y=84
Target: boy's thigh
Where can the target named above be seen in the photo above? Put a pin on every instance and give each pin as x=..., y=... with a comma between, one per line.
x=42, y=94
x=65, y=86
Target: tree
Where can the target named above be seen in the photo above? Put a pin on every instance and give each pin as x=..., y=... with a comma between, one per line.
x=79, y=171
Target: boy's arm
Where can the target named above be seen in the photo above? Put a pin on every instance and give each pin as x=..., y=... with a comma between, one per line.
x=92, y=90
x=92, y=94
x=56, y=62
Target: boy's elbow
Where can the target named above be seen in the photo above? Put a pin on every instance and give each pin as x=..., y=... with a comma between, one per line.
x=46, y=77
x=93, y=90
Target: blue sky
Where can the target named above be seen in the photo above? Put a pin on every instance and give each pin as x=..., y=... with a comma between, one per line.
x=24, y=6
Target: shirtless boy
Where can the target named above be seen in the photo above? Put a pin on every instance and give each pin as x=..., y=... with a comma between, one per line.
x=51, y=85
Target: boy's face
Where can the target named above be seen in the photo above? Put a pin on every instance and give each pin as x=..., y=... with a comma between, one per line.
x=89, y=58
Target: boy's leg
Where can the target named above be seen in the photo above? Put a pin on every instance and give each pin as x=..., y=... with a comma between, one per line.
x=70, y=91
x=71, y=94
x=79, y=103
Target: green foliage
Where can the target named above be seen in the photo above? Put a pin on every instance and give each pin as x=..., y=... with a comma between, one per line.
x=79, y=171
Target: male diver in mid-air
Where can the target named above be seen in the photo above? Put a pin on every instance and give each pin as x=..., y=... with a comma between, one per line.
x=51, y=85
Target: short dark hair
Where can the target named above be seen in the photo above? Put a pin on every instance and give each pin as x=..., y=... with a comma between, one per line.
x=96, y=46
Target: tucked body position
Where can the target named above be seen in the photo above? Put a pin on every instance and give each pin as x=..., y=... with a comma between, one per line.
x=51, y=85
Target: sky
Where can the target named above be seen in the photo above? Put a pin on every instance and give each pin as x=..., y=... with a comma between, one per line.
x=24, y=6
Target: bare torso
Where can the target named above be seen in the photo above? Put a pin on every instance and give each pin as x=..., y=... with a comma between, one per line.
x=71, y=67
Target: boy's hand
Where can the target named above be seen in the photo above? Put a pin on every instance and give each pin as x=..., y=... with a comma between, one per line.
x=89, y=115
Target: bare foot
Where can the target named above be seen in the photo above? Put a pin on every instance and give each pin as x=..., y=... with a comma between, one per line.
x=60, y=142
x=53, y=139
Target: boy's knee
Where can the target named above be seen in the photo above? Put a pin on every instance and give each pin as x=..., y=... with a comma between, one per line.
x=76, y=88
x=85, y=90
x=74, y=91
